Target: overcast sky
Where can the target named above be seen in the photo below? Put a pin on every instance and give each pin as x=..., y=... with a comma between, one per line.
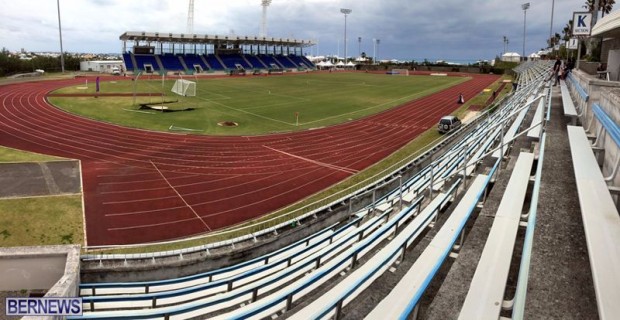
x=408, y=29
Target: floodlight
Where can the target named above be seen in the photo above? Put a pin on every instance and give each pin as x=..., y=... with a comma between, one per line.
x=345, y=12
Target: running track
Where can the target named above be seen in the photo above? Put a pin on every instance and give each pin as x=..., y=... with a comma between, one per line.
x=142, y=186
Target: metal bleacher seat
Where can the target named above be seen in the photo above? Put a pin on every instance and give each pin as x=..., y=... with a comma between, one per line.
x=330, y=303
x=601, y=223
x=288, y=252
x=486, y=292
x=567, y=103
x=404, y=297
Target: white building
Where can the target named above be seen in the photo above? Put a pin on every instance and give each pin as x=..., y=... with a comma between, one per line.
x=511, y=57
x=104, y=66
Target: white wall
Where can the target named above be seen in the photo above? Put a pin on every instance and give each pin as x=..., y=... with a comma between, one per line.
x=613, y=65
x=100, y=66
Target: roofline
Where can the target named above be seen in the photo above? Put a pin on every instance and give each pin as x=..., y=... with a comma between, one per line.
x=167, y=37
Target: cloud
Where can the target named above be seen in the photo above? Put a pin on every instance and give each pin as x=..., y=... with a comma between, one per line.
x=449, y=29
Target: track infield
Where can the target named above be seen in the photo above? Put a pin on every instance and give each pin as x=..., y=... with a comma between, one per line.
x=143, y=186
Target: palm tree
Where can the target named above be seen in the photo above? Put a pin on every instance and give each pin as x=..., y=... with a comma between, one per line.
x=568, y=30
x=605, y=6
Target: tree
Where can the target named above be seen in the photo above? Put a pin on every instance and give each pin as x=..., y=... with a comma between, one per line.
x=554, y=40
x=605, y=6
x=568, y=31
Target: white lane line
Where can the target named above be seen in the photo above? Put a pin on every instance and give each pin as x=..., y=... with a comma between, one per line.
x=323, y=164
x=150, y=225
x=180, y=196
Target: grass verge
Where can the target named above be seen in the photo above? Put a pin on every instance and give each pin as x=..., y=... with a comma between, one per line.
x=41, y=221
x=14, y=155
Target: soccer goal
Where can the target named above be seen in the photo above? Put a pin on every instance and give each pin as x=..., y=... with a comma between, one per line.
x=184, y=88
x=400, y=72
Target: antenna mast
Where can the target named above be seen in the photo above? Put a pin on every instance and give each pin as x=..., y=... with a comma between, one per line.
x=263, y=29
x=190, y=17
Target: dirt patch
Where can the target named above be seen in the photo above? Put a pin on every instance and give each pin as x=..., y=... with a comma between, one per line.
x=227, y=124
x=470, y=115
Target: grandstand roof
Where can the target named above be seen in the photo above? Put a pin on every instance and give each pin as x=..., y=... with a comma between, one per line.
x=212, y=39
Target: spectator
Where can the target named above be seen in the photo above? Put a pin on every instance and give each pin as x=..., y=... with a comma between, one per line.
x=556, y=70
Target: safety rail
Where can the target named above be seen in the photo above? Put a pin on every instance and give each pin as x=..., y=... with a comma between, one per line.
x=251, y=292
x=404, y=297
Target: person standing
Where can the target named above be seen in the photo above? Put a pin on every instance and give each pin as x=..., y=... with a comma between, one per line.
x=556, y=70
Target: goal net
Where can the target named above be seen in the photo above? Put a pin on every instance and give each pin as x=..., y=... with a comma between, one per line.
x=400, y=72
x=184, y=88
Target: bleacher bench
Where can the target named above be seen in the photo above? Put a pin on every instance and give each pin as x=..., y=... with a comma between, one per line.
x=601, y=223
x=403, y=297
x=486, y=292
x=568, y=104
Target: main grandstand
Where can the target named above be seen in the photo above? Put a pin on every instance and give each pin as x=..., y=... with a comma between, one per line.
x=163, y=53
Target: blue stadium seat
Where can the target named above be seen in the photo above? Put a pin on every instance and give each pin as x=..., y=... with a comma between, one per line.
x=214, y=62
x=171, y=62
x=194, y=59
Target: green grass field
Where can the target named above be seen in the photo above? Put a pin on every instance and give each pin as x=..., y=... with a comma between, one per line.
x=41, y=221
x=14, y=155
x=259, y=105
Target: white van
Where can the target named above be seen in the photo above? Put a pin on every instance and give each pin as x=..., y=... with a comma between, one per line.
x=116, y=71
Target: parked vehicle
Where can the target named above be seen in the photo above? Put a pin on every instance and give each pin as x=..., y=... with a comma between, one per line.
x=448, y=123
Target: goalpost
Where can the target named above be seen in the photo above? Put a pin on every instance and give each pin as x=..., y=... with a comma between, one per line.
x=184, y=88
x=400, y=72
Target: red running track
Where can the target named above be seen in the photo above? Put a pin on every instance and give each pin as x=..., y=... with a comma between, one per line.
x=142, y=186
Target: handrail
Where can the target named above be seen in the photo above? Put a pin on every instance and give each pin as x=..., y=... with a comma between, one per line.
x=582, y=92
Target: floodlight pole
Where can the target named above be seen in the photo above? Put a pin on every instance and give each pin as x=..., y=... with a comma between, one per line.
x=359, y=46
x=524, y=6
x=376, y=44
x=62, y=56
x=345, y=12
x=551, y=27
x=374, y=51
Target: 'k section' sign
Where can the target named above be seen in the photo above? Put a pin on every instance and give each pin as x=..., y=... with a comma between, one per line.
x=582, y=23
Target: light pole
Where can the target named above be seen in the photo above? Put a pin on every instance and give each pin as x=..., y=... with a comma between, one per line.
x=345, y=12
x=62, y=56
x=551, y=27
x=505, y=43
x=375, y=42
x=359, y=46
x=524, y=6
